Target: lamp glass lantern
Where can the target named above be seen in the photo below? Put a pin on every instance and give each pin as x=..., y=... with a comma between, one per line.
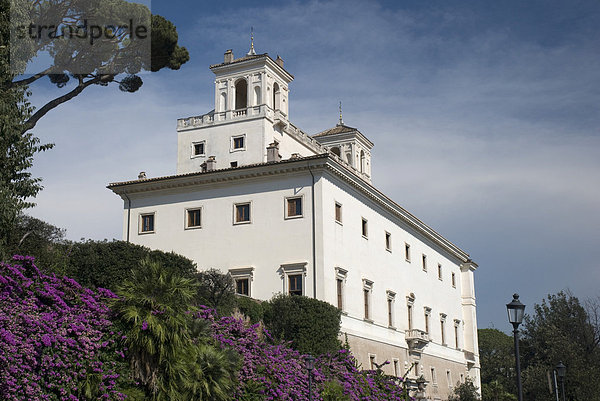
x=310, y=362
x=561, y=370
x=516, y=311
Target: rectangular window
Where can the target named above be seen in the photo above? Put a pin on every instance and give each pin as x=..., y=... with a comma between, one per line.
x=340, y=287
x=242, y=213
x=443, y=329
x=433, y=377
x=242, y=286
x=295, y=284
x=233, y=164
x=338, y=212
x=367, y=288
x=424, y=259
x=390, y=312
x=388, y=241
x=294, y=207
x=427, y=313
x=396, y=368
x=449, y=378
x=456, y=336
x=372, y=361
x=194, y=218
x=439, y=271
x=453, y=280
x=365, y=231
x=199, y=149
x=366, y=294
x=238, y=142
x=409, y=310
x=147, y=223
x=407, y=252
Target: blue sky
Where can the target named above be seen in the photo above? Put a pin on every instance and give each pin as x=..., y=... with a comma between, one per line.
x=484, y=117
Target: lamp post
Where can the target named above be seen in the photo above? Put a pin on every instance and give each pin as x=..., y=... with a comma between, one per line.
x=516, y=310
x=310, y=365
x=561, y=370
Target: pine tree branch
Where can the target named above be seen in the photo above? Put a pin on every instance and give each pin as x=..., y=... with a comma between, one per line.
x=32, y=121
x=31, y=79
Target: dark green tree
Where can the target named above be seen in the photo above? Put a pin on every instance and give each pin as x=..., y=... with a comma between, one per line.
x=466, y=391
x=560, y=329
x=311, y=325
x=497, y=357
x=216, y=291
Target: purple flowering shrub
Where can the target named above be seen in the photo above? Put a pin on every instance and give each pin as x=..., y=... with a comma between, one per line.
x=56, y=341
x=272, y=371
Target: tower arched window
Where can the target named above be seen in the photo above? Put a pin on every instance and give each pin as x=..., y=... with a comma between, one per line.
x=241, y=94
x=223, y=101
x=362, y=161
x=276, y=96
x=257, y=99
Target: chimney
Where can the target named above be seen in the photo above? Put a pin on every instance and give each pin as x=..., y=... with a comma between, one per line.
x=211, y=163
x=273, y=153
x=228, y=56
x=279, y=61
x=142, y=175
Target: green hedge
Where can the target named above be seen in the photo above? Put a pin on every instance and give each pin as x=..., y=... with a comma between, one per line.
x=311, y=325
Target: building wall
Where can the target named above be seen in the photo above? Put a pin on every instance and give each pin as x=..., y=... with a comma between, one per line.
x=265, y=244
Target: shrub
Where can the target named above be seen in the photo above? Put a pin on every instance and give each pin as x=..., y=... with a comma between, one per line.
x=251, y=308
x=312, y=326
x=216, y=291
x=107, y=264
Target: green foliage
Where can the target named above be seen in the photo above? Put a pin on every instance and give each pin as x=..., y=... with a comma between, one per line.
x=560, y=329
x=494, y=391
x=311, y=325
x=497, y=357
x=171, y=354
x=466, y=391
x=17, y=186
x=216, y=291
x=108, y=264
x=333, y=391
x=251, y=308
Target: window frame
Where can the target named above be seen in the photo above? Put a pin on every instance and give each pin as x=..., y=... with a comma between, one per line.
x=424, y=261
x=293, y=269
x=367, y=300
x=443, y=329
x=242, y=273
x=364, y=228
x=440, y=273
x=286, y=209
x=235, y=206
x=427, y=315
x=391, y=305
x=141, y=230
x=407, y=252
x=388, y=241
x=194, y=144
x=453, y=279
x=338, y=206
x=232, y=147
x=340, y=284
x=187, y=218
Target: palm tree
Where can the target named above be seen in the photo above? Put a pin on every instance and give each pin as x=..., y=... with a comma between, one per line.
x=154, y=309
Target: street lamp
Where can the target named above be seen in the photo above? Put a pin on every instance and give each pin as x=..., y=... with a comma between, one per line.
x=561, y=370
x=516, y=310
x=310, y=365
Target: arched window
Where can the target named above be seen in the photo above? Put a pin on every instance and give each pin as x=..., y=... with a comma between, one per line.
x=336, y=151
x=223, y=101
x=241, y=94
x=362, y=161
x=257, y=99
x=276, y=96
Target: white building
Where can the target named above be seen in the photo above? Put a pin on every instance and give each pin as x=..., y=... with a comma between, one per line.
x=286, y=212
